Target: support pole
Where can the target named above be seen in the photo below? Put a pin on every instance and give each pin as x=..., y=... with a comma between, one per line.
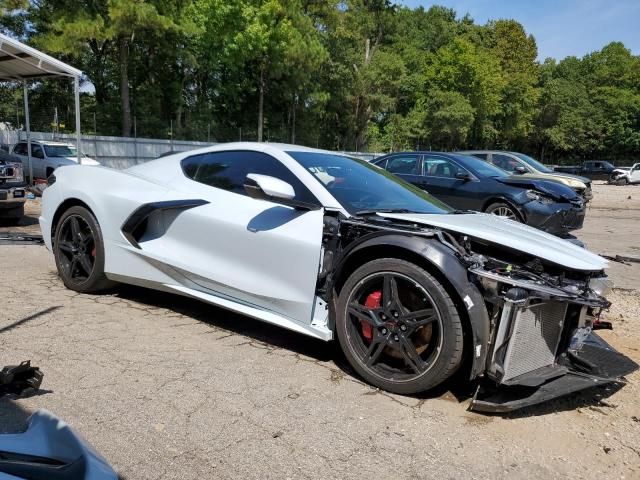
x=76, y=84
x=27, y=127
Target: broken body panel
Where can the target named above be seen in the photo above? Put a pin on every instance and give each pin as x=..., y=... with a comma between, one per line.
x=531, y=320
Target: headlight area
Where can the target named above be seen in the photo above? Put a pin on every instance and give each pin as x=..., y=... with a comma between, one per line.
x=542, y=341
x=539, y=197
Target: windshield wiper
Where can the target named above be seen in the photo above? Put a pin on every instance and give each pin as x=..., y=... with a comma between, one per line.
x=461, y=212
x=384, y=210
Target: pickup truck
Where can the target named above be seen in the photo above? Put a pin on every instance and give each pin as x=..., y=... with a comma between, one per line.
x=625, y=175
x=593, y=169
x=46, y=156
x=13, y=191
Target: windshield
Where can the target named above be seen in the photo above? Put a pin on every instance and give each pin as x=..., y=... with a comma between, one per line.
x=479, y=167
x=533, y=162
x=360, y=186
x=60, y=151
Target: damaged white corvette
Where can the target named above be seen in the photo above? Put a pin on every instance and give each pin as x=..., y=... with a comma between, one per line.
x=333, y=247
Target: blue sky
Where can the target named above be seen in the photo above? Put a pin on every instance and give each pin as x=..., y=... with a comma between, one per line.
x=560, y=27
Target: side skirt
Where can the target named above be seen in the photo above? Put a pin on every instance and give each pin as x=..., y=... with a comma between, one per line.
x=317, y=329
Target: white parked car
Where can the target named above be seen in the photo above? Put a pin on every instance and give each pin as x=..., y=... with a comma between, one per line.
x=336, y=248
x=47, y=156
x=625, y=175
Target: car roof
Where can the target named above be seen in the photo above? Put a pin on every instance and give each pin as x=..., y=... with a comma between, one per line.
x=50, y=143
x=419, y=152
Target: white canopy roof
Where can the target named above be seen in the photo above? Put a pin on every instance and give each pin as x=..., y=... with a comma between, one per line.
x=21, y=62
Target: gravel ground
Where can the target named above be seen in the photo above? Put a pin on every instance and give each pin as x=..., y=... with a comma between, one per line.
x=169, y=388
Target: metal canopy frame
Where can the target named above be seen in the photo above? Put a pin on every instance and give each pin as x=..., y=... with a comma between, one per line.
x=20, y=62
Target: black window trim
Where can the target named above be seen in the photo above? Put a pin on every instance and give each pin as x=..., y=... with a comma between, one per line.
x=183, y=160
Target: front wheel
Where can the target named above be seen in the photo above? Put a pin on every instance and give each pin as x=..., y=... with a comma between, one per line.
x=504, y=210
x=398, y=327
x=79, y=251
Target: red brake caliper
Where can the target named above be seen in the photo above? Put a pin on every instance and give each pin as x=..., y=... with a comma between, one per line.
x=372, y=302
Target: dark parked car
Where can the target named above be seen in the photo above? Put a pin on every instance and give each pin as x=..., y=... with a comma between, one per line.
x=593, y=169
x=517, y=163
x=468, y=183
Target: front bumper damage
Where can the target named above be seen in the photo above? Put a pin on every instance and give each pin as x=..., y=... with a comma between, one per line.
x=556, y=219
x=542, y=343
x=597, y=364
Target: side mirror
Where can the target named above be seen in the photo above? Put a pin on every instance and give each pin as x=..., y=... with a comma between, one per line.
x=272, y=189
x=463, y=176
x=519, y=170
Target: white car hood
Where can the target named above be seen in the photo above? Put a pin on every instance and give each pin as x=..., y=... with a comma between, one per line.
x=510, y=234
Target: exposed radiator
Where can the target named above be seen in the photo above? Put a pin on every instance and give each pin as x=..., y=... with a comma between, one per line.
x=535, y=334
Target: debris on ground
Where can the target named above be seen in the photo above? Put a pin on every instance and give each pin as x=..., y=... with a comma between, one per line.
x=18, y=379
x=16, y=238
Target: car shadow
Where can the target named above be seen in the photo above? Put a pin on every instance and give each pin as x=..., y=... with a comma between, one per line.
x=13, y=418
x=272, y=218
x=25, y=221
x=230, y=321
x=458, y=388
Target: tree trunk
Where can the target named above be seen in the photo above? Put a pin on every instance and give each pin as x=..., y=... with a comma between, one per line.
x=123, y=46
x=293, y=120
x=261, y=104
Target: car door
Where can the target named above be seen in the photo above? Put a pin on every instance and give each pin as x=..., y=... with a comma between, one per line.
x=255, y=252
x=38, y=161
x=634, y=175
x=20, y=151
x=508, y=163
x=440, y=179
x=406, y=166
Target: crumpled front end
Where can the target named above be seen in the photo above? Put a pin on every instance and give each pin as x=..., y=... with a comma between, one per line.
x=542, y=341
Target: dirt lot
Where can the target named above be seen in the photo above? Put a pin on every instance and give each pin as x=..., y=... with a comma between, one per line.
x=169, y=388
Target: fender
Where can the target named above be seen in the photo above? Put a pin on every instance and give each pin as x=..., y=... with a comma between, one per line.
x=444, y=259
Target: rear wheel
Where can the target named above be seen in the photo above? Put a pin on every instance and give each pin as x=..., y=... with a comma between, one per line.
x=79, y=251
x=502, y=209
x=398, y=327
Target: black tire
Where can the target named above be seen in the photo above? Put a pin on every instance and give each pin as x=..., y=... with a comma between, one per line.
x=72, y=251
x=395, y=367
x=498, y=207
x=622, y=181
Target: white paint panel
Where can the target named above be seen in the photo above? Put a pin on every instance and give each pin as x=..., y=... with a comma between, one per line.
x=513, y=235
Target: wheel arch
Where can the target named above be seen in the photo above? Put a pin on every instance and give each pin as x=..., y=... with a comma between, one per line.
x=63, y=207
x=440, y=262
x=502, y=199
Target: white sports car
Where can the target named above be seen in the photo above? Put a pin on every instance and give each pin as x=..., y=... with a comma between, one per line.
x=334, y=247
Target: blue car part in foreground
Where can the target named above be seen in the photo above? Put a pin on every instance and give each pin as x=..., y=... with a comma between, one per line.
x=50, y=450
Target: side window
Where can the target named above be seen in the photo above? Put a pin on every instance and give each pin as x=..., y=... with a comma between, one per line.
x=435, y=166
x=481, y=156
x=36, y=151
x=505, y=162
x=228, y=171
x=597, y=165
x=403, y=164
x=20, y=149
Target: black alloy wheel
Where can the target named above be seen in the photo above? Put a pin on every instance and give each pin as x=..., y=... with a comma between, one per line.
x=398, y=326
x=79, y=251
